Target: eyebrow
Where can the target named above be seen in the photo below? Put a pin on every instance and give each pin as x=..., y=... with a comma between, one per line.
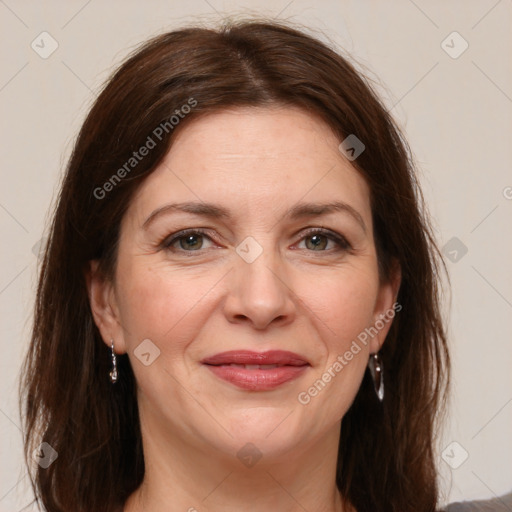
x=317, y=209
x=212, y=211
x=203, y=209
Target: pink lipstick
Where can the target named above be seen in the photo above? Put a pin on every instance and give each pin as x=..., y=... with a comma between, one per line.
x=257, y=371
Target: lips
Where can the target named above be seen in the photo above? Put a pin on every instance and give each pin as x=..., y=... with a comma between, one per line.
x=257, y=371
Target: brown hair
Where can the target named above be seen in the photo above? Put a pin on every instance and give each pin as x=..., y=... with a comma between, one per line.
x=386, y=452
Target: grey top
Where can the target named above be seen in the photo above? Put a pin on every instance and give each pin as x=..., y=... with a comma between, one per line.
x=499, y=504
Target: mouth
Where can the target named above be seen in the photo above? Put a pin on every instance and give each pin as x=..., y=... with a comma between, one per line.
x=257, y=371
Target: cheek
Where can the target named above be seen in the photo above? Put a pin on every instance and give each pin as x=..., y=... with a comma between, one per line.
x=161, y=304
x=344, y=302
x=343, y=307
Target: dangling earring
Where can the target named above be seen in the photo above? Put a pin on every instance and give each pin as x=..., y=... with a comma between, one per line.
x=113, y=373
x=377, y=371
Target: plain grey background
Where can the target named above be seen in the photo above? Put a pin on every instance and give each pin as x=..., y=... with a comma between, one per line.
x=444, y=71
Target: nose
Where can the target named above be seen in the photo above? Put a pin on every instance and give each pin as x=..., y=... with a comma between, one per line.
x=259, y=294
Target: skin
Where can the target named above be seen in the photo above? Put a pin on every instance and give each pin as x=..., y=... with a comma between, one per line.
x=303, y=293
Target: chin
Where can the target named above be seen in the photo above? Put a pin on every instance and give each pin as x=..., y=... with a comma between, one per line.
x=272, y=431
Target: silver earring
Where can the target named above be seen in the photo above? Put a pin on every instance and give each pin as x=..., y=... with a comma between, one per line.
x=377, y=371
x=113, y=373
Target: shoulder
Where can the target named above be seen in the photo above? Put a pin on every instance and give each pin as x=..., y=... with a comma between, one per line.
x=498, y=504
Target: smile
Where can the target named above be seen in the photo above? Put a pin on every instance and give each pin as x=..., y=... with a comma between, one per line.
x=257, y=371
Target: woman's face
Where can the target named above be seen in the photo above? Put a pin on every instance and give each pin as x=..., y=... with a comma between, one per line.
x=277, y=266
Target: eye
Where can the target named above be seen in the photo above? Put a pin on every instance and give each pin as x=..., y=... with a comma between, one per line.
x=193, y=240
x=188, y=240
x=321, y=240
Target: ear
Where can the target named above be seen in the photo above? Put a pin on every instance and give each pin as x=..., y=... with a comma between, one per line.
x=386, y=307
x=104, y=307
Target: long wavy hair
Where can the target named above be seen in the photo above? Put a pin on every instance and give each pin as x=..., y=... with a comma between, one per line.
x=386, y=459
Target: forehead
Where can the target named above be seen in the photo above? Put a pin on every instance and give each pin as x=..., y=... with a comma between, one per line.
x=258, y=133
x=254, y=160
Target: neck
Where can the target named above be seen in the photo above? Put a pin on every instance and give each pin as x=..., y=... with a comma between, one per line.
x=184, y=477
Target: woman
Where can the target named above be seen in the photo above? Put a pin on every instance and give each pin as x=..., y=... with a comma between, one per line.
x=238, y=303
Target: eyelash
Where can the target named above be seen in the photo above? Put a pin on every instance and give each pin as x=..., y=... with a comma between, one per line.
x=341, y=241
